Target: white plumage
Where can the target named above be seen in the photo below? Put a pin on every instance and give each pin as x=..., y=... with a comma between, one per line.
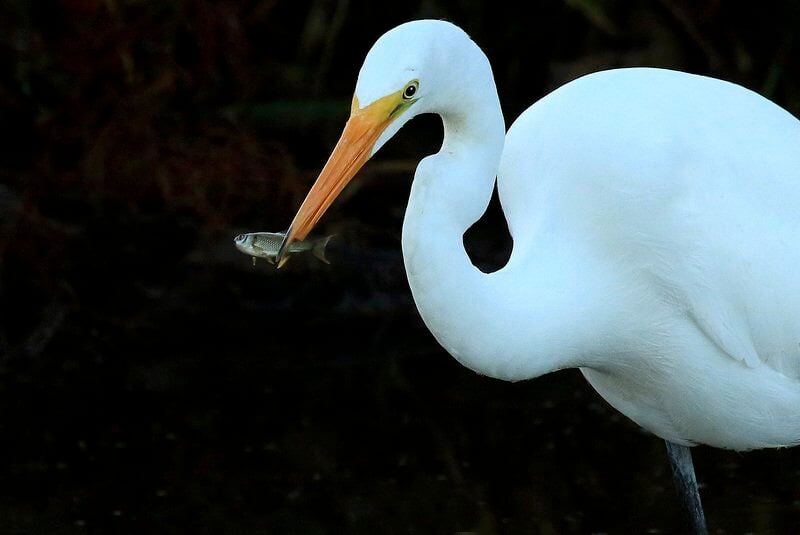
x=656, y=224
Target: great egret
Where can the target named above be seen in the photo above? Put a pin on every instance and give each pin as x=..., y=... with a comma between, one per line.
x=655, y=217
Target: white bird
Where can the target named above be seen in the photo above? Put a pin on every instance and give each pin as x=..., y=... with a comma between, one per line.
x=655, y=217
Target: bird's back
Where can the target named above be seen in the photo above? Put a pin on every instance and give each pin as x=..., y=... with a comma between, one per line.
x=688, y=189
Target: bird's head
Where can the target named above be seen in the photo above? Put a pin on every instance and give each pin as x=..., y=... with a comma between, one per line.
x=408, y=71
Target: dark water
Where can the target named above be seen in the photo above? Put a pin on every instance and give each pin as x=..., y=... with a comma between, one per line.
x=211, y=397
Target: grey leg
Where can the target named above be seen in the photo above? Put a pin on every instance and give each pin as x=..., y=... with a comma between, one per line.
x=680, y=457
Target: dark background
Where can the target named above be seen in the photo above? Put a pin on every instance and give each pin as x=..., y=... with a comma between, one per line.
x=152, y=381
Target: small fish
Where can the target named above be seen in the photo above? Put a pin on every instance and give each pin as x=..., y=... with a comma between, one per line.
x=267, y=244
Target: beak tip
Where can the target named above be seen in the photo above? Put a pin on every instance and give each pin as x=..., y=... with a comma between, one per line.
x=282, y=257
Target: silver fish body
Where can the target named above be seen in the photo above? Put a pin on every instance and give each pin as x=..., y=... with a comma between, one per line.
x=267, y=244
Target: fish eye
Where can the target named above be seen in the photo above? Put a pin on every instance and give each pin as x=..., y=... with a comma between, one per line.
x=411, y=90
x=240, y=237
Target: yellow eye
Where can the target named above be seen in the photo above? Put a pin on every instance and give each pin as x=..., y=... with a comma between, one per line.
x=410, y=90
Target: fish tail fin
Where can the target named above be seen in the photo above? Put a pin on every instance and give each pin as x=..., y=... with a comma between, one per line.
x=318, y=249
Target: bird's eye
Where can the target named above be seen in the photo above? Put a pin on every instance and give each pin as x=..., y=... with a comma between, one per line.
x=411, y=90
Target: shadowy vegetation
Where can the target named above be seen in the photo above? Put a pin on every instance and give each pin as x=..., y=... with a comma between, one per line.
x=151, y=381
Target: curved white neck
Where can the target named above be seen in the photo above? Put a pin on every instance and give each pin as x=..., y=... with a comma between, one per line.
x=511, y=324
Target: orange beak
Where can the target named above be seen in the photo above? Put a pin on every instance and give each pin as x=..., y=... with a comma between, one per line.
x=351, y=152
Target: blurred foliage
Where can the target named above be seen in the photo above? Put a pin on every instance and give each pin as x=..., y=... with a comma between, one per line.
x=149, y=380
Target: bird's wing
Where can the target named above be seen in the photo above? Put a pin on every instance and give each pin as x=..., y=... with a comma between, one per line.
x=685, y=181
x=725, y=326
x=735, y=266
